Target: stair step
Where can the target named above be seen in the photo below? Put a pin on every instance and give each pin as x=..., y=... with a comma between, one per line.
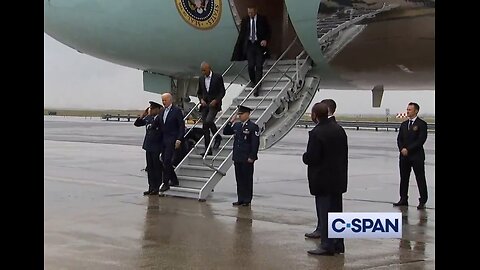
x=277, y=88
x=183, y=192
x=197, y=167
x=254, y=102
x=228, y=147
x=262, y=93
x=274, y=76
x=281, y=62
x=258, y=108
x=194, y=182
x=191, y=178
x=195, y=171
x=184, y=189
x=197, y=160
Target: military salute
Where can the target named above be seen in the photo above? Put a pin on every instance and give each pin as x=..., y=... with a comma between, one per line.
x=245, y=149
x=152, y=146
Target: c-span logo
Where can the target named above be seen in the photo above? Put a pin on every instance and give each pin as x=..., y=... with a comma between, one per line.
x=365, y=225
x=201, y=14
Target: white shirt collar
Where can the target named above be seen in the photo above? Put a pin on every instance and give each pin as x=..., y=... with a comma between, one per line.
x=209, y=75
x=413, y=119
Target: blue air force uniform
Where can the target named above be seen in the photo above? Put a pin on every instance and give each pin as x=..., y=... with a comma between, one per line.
x=245, y=146
x=152, y=144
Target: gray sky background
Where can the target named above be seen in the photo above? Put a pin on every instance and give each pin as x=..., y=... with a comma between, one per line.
x=78, y=81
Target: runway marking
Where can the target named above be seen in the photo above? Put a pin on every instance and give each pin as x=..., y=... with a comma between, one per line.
x=89, y=182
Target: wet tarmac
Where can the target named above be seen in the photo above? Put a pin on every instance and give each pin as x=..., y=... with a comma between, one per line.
x=97, y=218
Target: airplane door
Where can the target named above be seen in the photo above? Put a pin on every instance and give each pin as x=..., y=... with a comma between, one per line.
x=282, y=31
x=303, y=15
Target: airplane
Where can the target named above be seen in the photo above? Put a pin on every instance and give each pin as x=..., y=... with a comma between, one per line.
x=331, y=44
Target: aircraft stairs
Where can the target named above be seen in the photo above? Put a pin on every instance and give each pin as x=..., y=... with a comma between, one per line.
x=285, y=93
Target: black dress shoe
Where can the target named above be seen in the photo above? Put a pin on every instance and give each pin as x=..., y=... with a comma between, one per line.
x=173, y=184
x=145, y=193
x=321, y=251
x=237, y=203
x=255, y=94
x=153, y=192
x=164, y=187
x=246, y=204
x=217, y=142
x=314, y=234
x=401, y=203
x=421, y=206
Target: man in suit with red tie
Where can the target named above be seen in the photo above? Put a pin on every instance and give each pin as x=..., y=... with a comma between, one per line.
x=411, y=137
x=173, y=129
x=252, y=44
x=211, y=91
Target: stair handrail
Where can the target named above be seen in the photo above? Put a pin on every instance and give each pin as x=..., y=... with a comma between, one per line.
x=297, y=67
x=284, y=74
x=236, y=110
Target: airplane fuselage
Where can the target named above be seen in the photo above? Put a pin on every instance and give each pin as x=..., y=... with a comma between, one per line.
x=173, y=37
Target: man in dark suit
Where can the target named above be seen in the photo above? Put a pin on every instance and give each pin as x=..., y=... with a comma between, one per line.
x=411, y=137
x=245, y=149
x=152, y=144
x=252, y=45
x=327, y=161
x=332, y=106
x=173, y=129
x=211, y=91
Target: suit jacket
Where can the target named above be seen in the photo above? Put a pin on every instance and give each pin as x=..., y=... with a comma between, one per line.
x=174, y=126
x=263, y=33
x=153, y=133
x=333, y=119
x=247, y=140
x=327, y=159
x=216, y=90
x=413, y=139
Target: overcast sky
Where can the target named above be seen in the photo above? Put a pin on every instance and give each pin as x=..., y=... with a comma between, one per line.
x=78, y=81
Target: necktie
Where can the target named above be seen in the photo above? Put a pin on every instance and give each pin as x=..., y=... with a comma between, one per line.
x=165, y=114
x=252, y=36
x=410, y=123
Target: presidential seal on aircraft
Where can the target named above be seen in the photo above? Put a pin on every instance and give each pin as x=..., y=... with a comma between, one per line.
x=201, y=14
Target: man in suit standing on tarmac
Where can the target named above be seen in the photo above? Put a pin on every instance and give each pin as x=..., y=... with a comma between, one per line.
x=411, y=137
x=327, y=165
x=332, y=106
x=173, y=129
x=211, y=91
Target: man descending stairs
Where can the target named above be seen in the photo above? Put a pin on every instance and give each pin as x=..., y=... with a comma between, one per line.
x=277, y=101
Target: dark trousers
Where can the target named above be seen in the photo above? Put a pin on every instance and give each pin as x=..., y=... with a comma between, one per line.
x=326, y=204
x=167, y=157
x=418, y=166
x=255, y=61
x=154, y=170
x=244, y=178
x=208, y=120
